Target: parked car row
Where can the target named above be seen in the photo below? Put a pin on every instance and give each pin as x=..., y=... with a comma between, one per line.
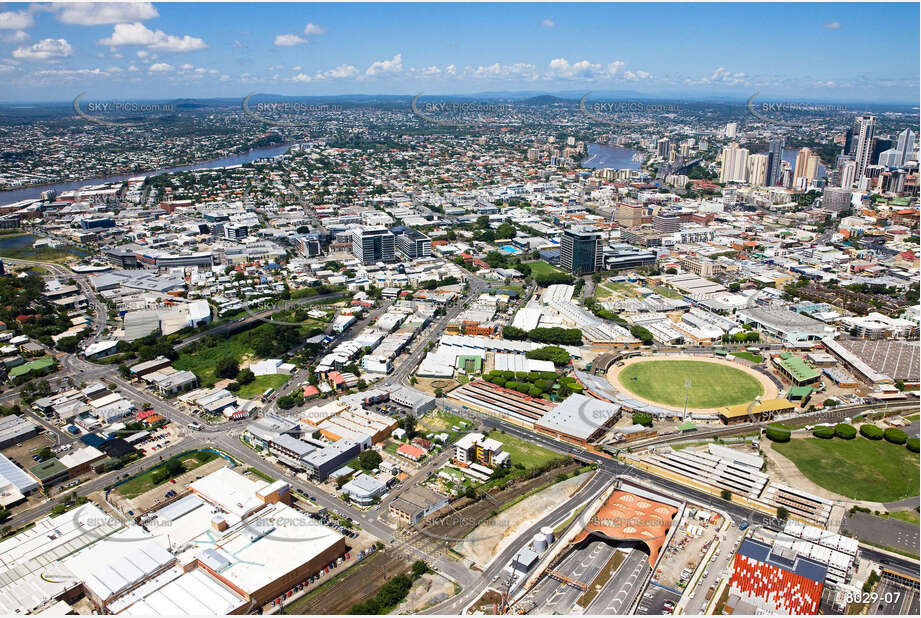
x=312, y=579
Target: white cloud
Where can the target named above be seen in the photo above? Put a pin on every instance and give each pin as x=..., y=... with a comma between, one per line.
x=314, y=30
x=16, y=20
x=614, y=68
x=46, y=49
x=561, y=68
x=289, y=40
x=382, y=67
x=635, y=75
x=832, y=25
x=20, y=36
x=224, y=78
x=503, y=71
x=548, y=23
x=343, y=71
x=139, y=34
x=96, y=14
x=302, y=77
x=160, y=67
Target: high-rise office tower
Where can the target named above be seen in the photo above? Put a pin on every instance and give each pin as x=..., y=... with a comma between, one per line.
x=581, y=251
x=666, y=222
x=802, y=162
x=373, y=244
x=775, y=161
x=865, y=127
x=891, y=158
x=758, y=169
x=836, y=199
x=848, y=173
x=735, y=164
x=731, y=129
x=905, y=146
x=662, y=147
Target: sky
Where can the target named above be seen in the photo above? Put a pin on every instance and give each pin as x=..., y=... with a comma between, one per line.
x=819, y=52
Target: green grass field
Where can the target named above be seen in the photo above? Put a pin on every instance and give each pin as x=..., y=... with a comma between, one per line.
x=144, y=482
x=521, y=452
x=202, y=362
x=542, y=268
x=712, y=385
x=258, y=386
x=861, y=469
x=748, y=356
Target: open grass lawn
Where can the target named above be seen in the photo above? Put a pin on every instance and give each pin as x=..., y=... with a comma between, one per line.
x=144, y=482
x=712, y=385
x=906, y=516
x=748, y=356
x=258, y=386
x=202, y=362
x=667, y=292
x=542, y=268
x=861, y=469
x=521, y=452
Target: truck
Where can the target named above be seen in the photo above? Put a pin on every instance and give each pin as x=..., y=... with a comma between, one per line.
x=709, y=594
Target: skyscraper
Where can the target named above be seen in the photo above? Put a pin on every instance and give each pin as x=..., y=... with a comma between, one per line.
x=906, y=146
x=581, y=251
x=848, y=174
x=735, y=164
x=662, y=147
x=865, y=127
x=373, y=244
x=775, y=160
x=802, y=163
x=731, y=129
x=758, y=169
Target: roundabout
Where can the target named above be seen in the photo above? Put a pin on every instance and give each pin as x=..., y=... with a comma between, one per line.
x=708, y=382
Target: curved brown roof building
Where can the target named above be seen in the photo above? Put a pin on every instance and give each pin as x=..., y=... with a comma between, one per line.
x=628, y=517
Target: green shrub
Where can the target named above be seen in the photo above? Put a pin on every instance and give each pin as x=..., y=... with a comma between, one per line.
x=896, y=436
x=845, y=431
x=913, y=445
x=777, y=433
x=642, y=418
x=824, y=432
x=871, y=432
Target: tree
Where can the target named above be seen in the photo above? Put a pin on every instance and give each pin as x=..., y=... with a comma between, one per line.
x=845, y=431
x=642, y=418
x=557, y=355
x=245, y=376
x=227, y=367
x=777, y=433
x=726, y=494
x=514, y=333
x=642, y=334
x=896, y=436
x=369, y=460
x=420, y=568
x=782, y=513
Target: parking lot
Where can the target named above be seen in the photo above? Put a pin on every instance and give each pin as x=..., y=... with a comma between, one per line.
x=657, y=601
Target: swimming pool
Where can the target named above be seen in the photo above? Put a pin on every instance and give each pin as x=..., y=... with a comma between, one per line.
x=510, y=249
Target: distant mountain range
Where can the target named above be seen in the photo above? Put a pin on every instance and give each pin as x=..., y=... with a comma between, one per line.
x=535, y=98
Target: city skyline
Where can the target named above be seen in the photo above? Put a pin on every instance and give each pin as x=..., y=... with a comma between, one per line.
x=816, y=51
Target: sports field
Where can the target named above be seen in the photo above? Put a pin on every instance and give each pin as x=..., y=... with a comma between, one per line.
x=713, y=385
x=860, y=469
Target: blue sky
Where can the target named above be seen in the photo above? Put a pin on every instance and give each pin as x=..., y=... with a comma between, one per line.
x=821, y=51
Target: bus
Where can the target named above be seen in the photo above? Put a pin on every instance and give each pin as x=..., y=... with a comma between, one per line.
x=268, y=393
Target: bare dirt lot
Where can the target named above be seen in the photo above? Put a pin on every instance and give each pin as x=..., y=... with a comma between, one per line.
x=491, y=537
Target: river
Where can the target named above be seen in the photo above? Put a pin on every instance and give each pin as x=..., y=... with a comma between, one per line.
x=26, y=193
x=601, y=156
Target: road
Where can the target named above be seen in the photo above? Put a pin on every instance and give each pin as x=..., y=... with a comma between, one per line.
x=551, y=596
x=618, y=595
